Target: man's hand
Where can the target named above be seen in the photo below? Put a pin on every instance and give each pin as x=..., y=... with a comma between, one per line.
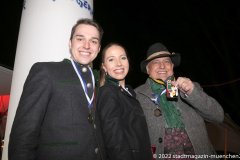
x=184, y=84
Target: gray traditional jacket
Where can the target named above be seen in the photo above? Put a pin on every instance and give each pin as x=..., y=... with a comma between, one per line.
x=194, y=109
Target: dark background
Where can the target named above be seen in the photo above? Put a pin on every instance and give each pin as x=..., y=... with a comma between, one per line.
x=206, y=34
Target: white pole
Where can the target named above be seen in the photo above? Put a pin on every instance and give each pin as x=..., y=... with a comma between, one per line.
x=44, y=35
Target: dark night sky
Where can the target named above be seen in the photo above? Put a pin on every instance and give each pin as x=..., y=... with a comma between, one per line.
x=206, y=34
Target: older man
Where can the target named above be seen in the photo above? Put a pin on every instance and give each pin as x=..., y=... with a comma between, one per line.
x=176, y=120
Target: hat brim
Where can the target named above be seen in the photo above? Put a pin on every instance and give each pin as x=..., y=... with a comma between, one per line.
x=176, y=59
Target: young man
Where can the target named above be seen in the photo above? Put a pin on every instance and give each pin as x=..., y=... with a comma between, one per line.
x=54, y=119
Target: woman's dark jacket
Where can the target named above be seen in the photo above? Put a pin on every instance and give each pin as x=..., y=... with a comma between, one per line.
x=123, y=124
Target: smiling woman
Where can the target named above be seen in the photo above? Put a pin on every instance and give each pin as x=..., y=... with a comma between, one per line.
x=122, y=121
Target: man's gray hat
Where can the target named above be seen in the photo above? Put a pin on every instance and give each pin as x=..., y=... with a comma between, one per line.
x=158, y=50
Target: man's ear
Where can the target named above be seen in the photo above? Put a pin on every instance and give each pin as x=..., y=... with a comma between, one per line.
x=147, y=68
x=172, y=66
x=99, y=49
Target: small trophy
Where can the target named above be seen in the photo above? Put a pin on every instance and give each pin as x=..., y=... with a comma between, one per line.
x=171, y=91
